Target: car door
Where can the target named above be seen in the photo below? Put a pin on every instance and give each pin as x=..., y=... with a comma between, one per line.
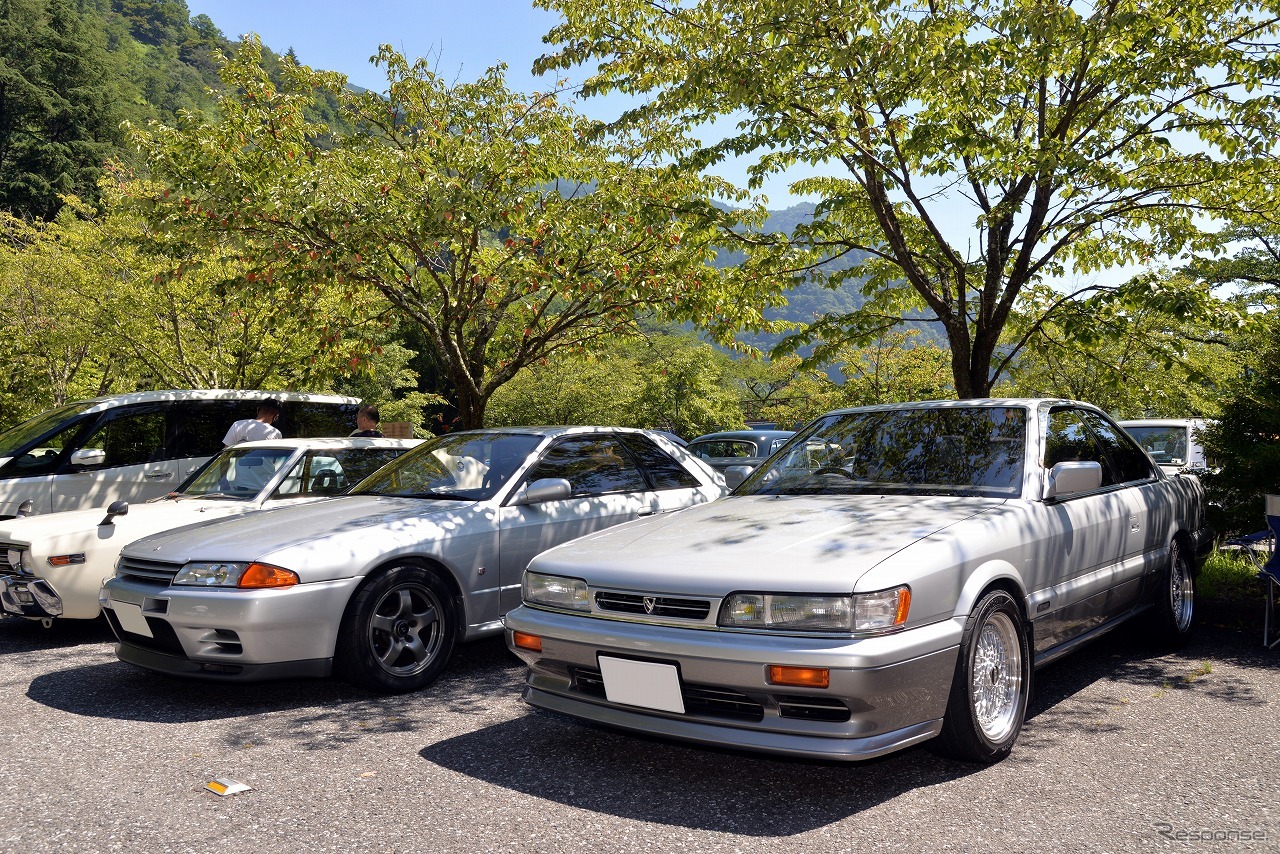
x=1138, y=485
x=608, y=489
x=129, y=461
x=1078, y=543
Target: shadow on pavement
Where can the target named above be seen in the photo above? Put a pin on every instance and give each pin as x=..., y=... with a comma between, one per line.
x=19, y=636
x=329, y=713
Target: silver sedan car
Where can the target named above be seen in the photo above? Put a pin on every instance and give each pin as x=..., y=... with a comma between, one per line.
x=379, y=585
x=891, y=577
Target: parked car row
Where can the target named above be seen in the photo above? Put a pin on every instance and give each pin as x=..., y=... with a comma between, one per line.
x=886, y=576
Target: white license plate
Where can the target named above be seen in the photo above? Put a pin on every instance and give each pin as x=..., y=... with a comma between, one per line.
x=131, y=619
x=642, y=683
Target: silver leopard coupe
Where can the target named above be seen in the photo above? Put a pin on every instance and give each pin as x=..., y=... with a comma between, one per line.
x=379, y=585
x=891, y=577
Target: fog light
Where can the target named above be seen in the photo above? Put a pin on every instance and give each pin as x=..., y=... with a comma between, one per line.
x=802, y=677
x=533, y=643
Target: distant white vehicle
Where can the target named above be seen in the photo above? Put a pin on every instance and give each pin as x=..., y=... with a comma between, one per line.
x=1174, y=443
x=53, y=565
x=133, y=447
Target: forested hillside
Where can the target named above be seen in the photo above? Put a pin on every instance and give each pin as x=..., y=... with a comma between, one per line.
x=71, y=71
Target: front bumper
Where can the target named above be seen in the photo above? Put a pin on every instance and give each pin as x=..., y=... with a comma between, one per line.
x=886, y=693
x=33, y=598
x=228, y=635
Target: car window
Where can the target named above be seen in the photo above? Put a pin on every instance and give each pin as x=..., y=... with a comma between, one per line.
x=457, y=467
x=926, y=451
x=237, y=473
x=1069, y=439
x=719, y=448
x=1128, y=460
x=1165, y=444
x=129, y=436
x=196, y=427
x=46, y=455
x=333, y=471
x=17, y=438
x=664, y=472
x=593, y=465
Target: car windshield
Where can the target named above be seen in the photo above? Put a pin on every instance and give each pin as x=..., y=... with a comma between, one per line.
x=1165, y=444
x=14, y=439
x=237, y=474
x=460, y=466
x=927, y=451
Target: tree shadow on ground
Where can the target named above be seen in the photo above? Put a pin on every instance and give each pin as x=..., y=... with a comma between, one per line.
x=326, y=714
x=22, y=637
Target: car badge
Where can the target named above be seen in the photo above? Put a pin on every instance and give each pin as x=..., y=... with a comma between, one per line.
x=649, y=603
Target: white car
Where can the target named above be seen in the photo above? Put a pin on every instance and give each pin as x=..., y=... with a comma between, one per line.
x=53, y=566
x=378, y=586
x=890, y=577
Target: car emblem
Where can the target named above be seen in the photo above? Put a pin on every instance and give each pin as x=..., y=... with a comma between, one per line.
x=649, y=602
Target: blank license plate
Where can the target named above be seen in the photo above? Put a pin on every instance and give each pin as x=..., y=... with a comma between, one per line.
x=131, y=619
x=642, y=683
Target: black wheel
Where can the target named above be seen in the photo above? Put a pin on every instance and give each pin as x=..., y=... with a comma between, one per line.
x=1175, y=606
x=989, y=692
x=398, y=632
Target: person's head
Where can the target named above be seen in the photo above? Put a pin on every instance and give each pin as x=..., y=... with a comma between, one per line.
x=367, y=418
x=269, y=410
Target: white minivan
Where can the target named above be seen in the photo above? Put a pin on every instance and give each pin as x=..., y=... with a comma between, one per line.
x=1174, y=443
x=138, y=446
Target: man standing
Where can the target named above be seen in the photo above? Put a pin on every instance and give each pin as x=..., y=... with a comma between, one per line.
x=254, y=429
x=367, y=418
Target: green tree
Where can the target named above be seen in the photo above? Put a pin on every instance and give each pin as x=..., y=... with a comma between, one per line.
x=666, y=380
x=58, y=105
x=895, y=367
x=978, y=147
x=1133, y=357
x=501, y=224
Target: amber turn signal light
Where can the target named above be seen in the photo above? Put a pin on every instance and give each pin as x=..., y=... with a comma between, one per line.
x=264, y=575
x=533, y=643
x=800, y=677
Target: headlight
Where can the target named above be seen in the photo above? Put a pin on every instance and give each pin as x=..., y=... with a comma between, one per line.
x=861, y=612
x=243, y=575
x=556, y=591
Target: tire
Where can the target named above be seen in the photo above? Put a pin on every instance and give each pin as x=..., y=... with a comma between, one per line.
x=988, y=700
x=1175, y=605
x=398, y=632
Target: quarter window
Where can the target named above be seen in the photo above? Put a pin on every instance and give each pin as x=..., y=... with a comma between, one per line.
x=665, y=472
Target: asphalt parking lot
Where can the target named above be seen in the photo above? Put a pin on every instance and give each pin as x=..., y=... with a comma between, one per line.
x=1126, y=749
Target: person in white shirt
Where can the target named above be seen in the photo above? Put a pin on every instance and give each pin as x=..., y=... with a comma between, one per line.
x=254, y=429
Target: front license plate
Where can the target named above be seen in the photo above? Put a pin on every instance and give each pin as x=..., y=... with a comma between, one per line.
x=131, y=619
x=642, y=683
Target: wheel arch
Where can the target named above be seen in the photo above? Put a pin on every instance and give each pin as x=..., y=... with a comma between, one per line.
x=989, y=576
x=435, y=567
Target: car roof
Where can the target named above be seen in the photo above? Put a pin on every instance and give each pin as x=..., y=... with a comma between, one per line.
x=745, y=434
x=558, y=430
x=994, y=402
x=331, y=443
x=1162, y=422
x=110, y=401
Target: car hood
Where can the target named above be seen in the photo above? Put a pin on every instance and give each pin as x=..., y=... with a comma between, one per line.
x=334, y=531
x=815, y=544
x=142, y=519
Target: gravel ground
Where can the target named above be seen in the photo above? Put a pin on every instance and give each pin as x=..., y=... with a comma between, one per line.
x=1126, y=749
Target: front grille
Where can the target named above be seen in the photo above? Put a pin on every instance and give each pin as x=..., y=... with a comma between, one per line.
x=702, y=700
x=653, y=606
x=152, y=571
x=10, y=566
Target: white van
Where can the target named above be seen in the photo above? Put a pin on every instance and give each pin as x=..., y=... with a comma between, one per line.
x=1173, y=443
x=142, y=445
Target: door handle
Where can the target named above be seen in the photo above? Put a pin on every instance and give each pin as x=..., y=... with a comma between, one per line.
x=158, y=475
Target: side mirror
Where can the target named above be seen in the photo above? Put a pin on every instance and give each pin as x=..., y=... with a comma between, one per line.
x=1072, y=477
x=544, y=489
x=735, y=475
x=26, y=508
x=88, y=457
x=114, y=509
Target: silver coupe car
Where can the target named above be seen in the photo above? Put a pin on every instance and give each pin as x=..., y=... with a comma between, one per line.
x=891, y=577
x=379, y=585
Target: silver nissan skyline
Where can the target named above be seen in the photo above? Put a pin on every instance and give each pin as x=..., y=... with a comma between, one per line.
x=890, y=577
x=379, y=585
